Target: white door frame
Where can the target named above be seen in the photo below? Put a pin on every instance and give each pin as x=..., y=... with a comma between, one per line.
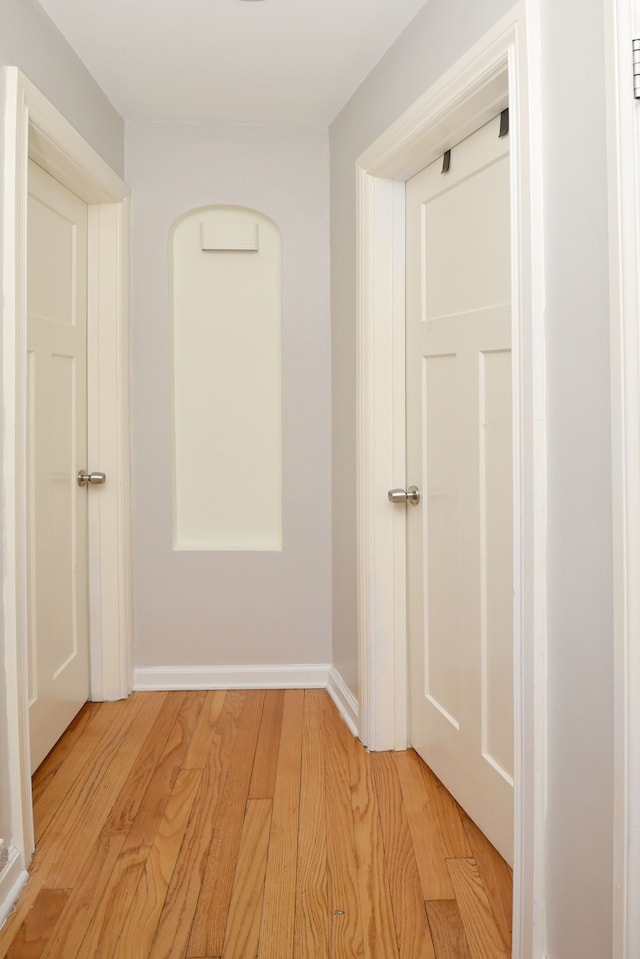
x=500, y=69
x=34, y=128
x=622, y=20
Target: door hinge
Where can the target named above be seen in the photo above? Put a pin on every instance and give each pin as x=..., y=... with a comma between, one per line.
x=636, y=69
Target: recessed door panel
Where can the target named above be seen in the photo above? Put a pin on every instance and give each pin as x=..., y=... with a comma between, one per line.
x=478, y=245
x=442, y=636
x=496, y=505
x=51, y=278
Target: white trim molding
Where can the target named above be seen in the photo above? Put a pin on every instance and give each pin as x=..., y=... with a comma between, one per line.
x=345, y=702
x=293, y=676
x=108, y=417
x=622, y=21
x=13, y=876
x=502, y=69
x=32, y=127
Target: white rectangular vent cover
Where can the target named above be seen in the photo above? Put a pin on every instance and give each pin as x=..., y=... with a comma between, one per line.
x=229, y=236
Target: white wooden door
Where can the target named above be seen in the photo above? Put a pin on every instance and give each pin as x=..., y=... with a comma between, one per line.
x=459, y=442
x=56, y=450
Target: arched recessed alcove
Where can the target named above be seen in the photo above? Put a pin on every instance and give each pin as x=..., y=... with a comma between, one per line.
x=225, y=274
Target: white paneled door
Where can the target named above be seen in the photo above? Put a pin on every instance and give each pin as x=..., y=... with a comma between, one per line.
x=56, y=451
x=459, y=453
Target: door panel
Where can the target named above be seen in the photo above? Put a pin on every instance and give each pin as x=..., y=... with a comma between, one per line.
x=459, y=452
x=455, y=241
x=442, y=649
x=56, y=450
x=496, y=511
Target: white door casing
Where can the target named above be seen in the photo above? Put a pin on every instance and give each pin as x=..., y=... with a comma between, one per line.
x=34, y=128
x=57, y=540
x=459, y=453
x=504, y=67
x=622, y=26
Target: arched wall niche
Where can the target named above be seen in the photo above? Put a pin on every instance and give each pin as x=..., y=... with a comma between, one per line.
x=226, y=296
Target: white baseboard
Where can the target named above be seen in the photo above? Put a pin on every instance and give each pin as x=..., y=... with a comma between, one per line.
x=231, y=677
x=12, y=878
x=344, y=699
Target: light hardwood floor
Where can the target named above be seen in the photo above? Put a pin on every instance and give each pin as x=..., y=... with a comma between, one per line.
x=249, y=824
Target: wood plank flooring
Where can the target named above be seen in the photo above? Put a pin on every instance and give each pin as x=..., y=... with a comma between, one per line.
x=249, y=825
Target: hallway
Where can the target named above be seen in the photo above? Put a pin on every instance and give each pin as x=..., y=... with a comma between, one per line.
x=249, y=823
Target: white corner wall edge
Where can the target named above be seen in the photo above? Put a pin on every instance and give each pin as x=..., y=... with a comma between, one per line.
x=622, y=22
x=311, y=676
x=12, y=879
x=344, y=700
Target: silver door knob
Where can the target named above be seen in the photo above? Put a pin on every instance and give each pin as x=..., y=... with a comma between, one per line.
x=91, y=479
x=411, y=495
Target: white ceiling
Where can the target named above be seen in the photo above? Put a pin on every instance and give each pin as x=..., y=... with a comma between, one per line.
x=264, y=62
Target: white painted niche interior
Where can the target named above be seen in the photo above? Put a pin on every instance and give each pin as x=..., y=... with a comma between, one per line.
x=227, y=407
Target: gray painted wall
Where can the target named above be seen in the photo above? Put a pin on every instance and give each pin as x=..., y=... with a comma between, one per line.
x=29, y=40
x=233, y=608
x=579, y=872
x=579, y=859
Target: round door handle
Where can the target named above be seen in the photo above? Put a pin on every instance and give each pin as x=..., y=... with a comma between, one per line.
x=91, y=479
x=410, y=495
